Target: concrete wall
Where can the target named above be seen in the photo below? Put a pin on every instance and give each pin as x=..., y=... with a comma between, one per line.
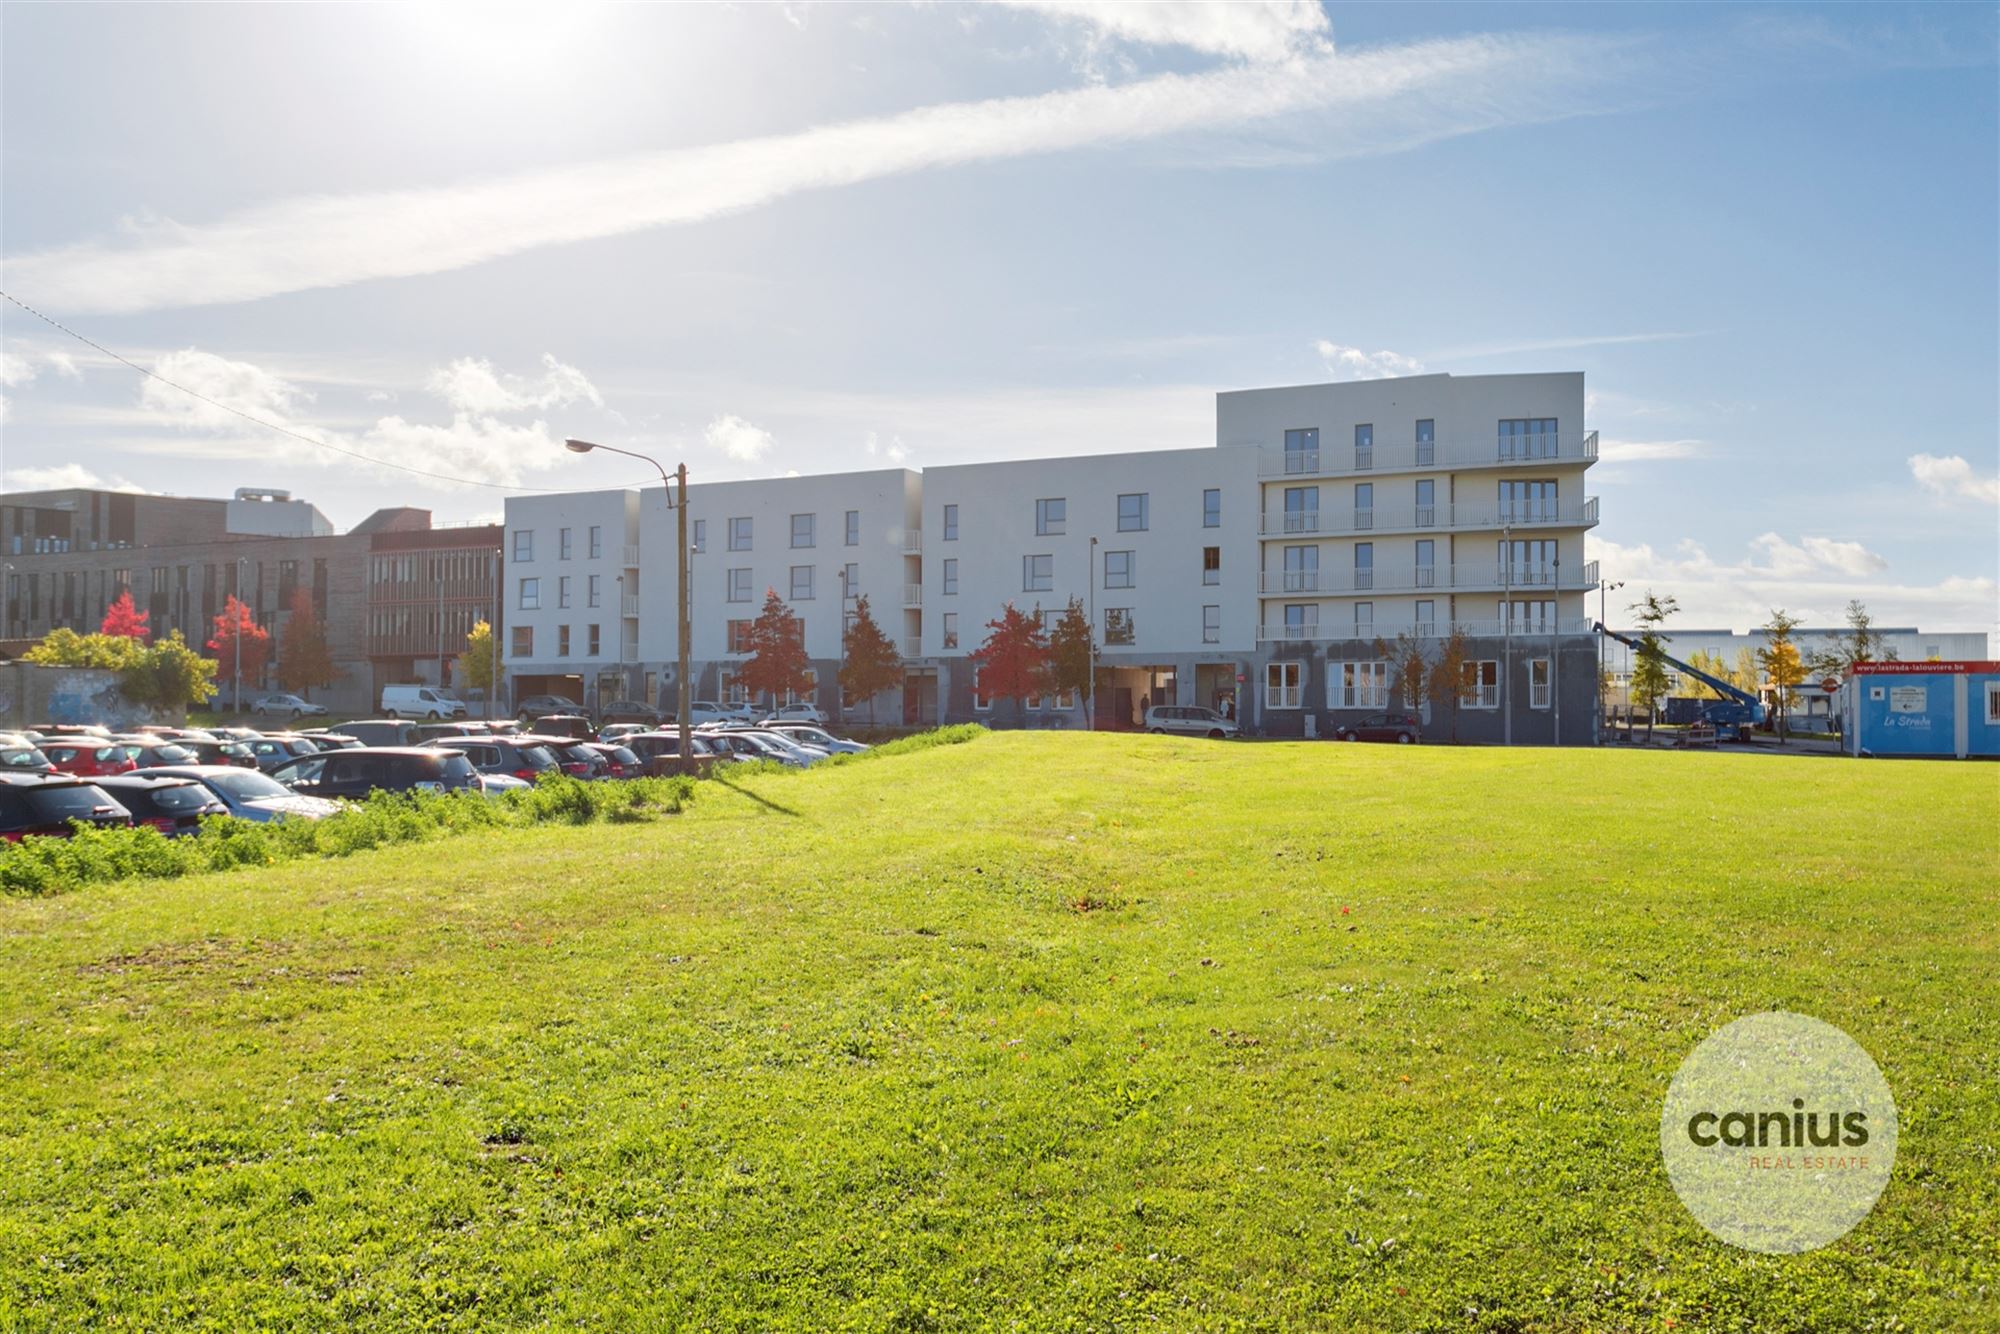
x=31, y=693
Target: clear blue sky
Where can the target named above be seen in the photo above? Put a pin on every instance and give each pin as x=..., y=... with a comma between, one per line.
x=796, y=238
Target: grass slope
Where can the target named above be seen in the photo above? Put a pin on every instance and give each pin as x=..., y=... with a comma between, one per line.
x=1044, y=1032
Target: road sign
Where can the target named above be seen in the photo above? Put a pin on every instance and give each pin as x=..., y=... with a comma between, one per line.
x=1830, y=685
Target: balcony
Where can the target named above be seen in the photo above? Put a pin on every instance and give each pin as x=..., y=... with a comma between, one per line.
x=913, y=595
x=1464, y=576
x=632, y=557
x=628, y=604
x=913, y=541
x=1421, y=518
x=1322, y=632
x=1549, y=450
x=628, y=653
x=913, y=647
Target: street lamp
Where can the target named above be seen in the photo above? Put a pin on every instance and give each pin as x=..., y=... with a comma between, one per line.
x=683, y=700
x=1090, y=696
x=1604, y=588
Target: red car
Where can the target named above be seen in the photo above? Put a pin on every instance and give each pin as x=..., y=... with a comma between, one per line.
x=88, y=757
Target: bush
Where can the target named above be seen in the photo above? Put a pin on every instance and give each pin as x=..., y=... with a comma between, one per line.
x=956, y=734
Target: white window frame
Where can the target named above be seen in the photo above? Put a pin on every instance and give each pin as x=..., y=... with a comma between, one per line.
x=530, y=594
x=1362, y=684
x=1129, y=632
x=1538, y=691
x=1211, y=624
x=1281, y=694
x=1484, y=693
x=980, y=703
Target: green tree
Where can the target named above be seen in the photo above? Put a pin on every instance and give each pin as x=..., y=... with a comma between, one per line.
x=169, y=675
x=778, y=665
x=1451, y=676
x=305, y=658
x=1712, y=663
x=1782, y=665
x=478, y=667
x=869, y=662
x=1649, y=672
x=64, y=647
x=1013, y=663
x=1072, y=651
x=1860, y=642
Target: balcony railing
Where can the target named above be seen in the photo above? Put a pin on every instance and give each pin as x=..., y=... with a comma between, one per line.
x=632, y=557
x=1504, y=451
x=1320, y=632
x=1416, y=518
x=913, y=647
x=913, y=541
x=628, y=653
x=1460, y=576
x=628, y=604
x=913, y=595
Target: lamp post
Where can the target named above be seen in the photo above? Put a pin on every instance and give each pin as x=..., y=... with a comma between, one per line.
x=683, y=696
x=1604, y=587
x=1090, y=700
x=1506, y=634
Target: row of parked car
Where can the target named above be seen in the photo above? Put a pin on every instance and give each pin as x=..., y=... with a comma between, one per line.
x=173, y=778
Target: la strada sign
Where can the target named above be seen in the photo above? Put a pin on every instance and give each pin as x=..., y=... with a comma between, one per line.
x=1964, y=668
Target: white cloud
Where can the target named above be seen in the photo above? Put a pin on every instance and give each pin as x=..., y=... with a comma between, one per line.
x=1378, y=100
x=60, y=477
x=236, y=385
x=1351, y=363
x=1649, y=451
x=738, y=438
x=1267, y=31
x=1953, y=478
x=895, y=451
x=65, y=365
x=472, y=385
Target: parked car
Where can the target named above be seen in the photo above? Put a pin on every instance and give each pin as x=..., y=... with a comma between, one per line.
x=328, y=740
x=272, y=751
x=174, y=806
x=49, y=731
x=759, y=744
x=356, y=773
x=621, y=761
x=248, y=794
x=412, y=701
x=611, y=732
x=287, y=706
x=1189, y=720
x=517, y=757
x=1402, y=728
x=708, y=711
x=536, y=705
x=46, y=808
x=219, y=752
x=499, y=785
x=382, y=732
x=798, y=713
x=660, y=751
x=18, y=760
x=575, y=757
x=435, y=731
x=819, y=738
x=147, y=752
x=630, y=711
x=88, y=757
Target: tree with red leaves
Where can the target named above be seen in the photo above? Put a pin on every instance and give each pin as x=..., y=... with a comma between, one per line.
x=305, y=659
x=778, y=664
x=233, y=627
x=1013, y=663
x=124, y=619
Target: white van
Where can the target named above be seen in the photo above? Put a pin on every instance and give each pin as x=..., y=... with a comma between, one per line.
x=420, y=702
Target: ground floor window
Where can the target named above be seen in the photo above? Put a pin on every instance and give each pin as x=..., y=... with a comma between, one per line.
x=980, y=704
x=1065, y=699
x=1283, y=685
x=1357, y=685
x=1482, y=685
x=1992, y=703
x=1538, y=683
x=734, y=692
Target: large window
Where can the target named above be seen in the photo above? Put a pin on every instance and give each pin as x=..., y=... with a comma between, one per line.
x=951, y=574
x=524, y=545
x=853, y=536
x=1482, y=685
x=1364, y=505
x=1211, y=508
x=1426, y=571
x=1301, y=509
x=1211, y=625
x=1531, y=562
x=1427, y=434
x=1282, y=685
x=1528, y=438
x=739, y=585
x=1538, y=683
x=523, y=645
x=802, y=531
x=1364, y=619
x=1132, y=513
x=1426, y=625
x=1038, y=574
x=1357, y=685
x=802, y=583
x=564, y=544
x=739, y=534
x=1302, y=450
x=1427, y=512
x=1118, y=626
x=1301, y=620
x=951, y=523
x=1528, y=501
x=531, y=594
x=1530, y=616
x=1301, y=570
x=1118, y=569
x=1051, y=516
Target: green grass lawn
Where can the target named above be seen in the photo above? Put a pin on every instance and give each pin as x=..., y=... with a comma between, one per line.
x=1044, y=1031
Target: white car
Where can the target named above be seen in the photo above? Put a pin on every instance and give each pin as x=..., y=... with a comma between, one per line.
x=420, y=702
x=798, y=713
x=708, y=711
x=819, y=738
x=1190, y=720
x=288, y=706
x=499, y=785
x=249, y=794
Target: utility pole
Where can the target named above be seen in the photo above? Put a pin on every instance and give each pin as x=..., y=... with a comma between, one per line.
x=1090, y=591
x=1506, y=635
x=493, y=626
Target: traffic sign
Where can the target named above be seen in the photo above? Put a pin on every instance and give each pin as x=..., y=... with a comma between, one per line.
x=1830, y=685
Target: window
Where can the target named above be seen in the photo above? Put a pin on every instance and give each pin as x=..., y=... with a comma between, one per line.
x=700, y=538
x=1051, y=516
x=1364, y=619
x=1538, y=683
x=802, y=531
x=596, y=542
x=739, y=636
x=1118, y=569
x=734, y=692
x=1364, y=446
x=1426, y=619
x=1364, y=565
x=1301, y=509
x=1132, y=513
x=1532, y=562
x=850, y=580
x=1426, y=503
x=1427, y=435
x=1527, y=502
x=1357, y=685
x=1364, y=505
x=531, y=594
x=524, y=545
x=1211, y=625
x=980, y=704
x=1302, y=450
x=564, y=543
x=1118, y=625
x=951, y=629
x=951, y=523
x=562, y=591
x=1301, y=570
x=1282, y=685
x=1528, y=438
x=739, y=585
x=524, y=641
x=593, y=590
x=591, y=638
x=951, y=574
x=1993, y=703
x=853, y=537
x=802, y=583
x=739, y=534
x=1038, y=574
x=1426, y=571
x=1301, y=620
x=1211, y=508
x=1482, y=685
x=1211, y=565
x=562, y=641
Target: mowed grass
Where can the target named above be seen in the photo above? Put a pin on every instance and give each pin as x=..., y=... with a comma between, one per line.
x=1042, y=1032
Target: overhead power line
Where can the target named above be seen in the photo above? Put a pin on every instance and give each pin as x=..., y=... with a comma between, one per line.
x=280, y=428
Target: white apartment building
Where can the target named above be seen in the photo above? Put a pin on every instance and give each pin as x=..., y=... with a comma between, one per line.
x=1256, y=575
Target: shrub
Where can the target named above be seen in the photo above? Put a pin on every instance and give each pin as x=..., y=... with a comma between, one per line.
x=956, y=734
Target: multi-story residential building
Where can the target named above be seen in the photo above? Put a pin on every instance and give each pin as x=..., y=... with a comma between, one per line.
x=1265, y=574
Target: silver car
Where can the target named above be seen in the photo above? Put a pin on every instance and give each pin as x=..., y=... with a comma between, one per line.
x=248, y=794
x=1190, y=720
